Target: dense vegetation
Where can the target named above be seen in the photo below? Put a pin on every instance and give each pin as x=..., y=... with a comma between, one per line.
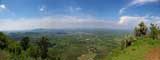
x=59, y=45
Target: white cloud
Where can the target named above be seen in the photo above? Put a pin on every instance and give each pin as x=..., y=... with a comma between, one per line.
x=141, y=2
x=42, y=8
x=155, y=17
x=136, y=3
x=121, y=10
x=74, y=9
x=132, y=21
x=78, y=8
x=2, y=7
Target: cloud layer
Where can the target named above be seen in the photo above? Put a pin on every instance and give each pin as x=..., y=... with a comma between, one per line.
x=62, y=22
x=53, y=22
x=136, y=3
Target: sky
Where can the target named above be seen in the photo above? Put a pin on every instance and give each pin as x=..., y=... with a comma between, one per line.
x=61, y=14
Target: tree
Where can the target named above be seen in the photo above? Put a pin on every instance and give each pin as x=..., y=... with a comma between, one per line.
x=154, y=31
x=34, y=51
x=141, y=30
x=136, y=32
x=4, y=40
x=14, y=48
x=44, y=44
x=25, y=43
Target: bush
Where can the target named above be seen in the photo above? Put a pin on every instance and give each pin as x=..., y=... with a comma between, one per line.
x=141, y=30
x=4, y=40
x=25, y=43
x=127, y=41
x=34, y=52
x=154, y=31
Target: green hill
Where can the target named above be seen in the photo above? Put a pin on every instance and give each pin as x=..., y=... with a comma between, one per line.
x=137, y=51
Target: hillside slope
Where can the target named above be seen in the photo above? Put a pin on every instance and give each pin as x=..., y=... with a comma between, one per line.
x=142, y=49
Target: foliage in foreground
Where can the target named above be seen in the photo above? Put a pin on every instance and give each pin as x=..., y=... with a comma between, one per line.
x=23, y=50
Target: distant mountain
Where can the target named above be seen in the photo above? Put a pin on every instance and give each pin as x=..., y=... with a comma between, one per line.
x=36, y=33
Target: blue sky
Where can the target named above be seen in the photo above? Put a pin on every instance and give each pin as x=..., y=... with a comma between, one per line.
x=115, y=14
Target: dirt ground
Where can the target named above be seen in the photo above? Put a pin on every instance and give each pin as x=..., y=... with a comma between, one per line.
x=153, y=54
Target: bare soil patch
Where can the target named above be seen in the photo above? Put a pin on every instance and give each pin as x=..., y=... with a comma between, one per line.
x=153, y=54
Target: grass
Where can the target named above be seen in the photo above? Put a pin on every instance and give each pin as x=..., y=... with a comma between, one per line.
x=89, y=56
x=136, y=51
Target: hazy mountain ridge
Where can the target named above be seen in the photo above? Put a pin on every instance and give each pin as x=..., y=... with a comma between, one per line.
x=60, y=32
